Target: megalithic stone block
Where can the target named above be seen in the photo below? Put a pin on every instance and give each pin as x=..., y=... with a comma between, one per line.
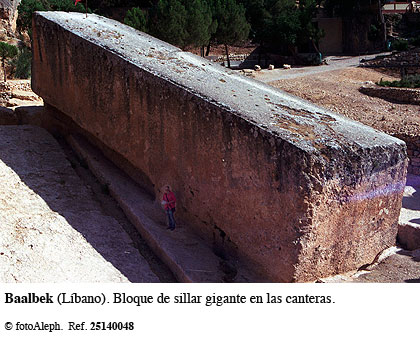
x=295, y=190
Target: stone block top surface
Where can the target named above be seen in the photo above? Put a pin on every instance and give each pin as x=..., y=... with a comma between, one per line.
x=305, y=125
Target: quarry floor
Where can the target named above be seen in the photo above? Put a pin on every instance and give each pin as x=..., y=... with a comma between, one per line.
x=338, y=90
x=60, y=224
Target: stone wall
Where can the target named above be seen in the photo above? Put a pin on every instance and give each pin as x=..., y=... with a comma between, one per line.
x=413, y=152
x=332, y=42
x=397, y=64
x=296, y=191
x=394, y=95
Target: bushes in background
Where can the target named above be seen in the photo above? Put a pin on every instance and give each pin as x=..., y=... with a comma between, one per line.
x=410, y=81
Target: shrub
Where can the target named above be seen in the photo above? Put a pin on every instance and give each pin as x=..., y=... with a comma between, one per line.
x=400, y=45
x=23, y=64
x=7, y=52
x=136, y=18
x=415, y=41
x=411, y=81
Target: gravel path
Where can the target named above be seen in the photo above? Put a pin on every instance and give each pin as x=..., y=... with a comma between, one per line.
x=334, y=63
x=52, y=228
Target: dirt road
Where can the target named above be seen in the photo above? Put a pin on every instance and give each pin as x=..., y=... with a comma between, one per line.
x=333, y=63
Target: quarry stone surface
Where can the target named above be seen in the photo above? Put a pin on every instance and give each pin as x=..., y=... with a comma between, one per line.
x=296, y=191
x=396, y=95
x=409, y=221
x=52, y=230
x=8, y=16
x=188, y=256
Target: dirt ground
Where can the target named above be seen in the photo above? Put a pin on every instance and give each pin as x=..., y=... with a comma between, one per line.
x=219, y=50
x=17, y=92
x=52, y=227
x=338, y=90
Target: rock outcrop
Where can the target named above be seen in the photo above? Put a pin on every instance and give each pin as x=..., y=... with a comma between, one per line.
x=296, y=191
x=8, y=17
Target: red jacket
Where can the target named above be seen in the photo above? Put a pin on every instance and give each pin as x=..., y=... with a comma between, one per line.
x=169, y=197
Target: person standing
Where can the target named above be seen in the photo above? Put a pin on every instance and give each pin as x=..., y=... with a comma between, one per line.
x=169, y=202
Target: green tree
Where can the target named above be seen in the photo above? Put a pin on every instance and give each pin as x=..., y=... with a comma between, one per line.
x=349, y=8
x=136, y=18
x=25, y=11
x=308, y=32
x=182, y=23
x=274, y=23
x=232, y=26
x=22, y=63
x=256, y=14
x=27, y=7
x=282, y=25
x=168, y=21
x=7, y=51
x=199, y=22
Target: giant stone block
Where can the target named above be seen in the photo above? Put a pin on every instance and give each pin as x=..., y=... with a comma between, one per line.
x=296, y=191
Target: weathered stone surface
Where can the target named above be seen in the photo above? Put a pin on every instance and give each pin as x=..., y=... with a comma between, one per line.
x=189, y=257
x=52, y=229
x=8, y=15
x=413, y=152
x=409, y=221
x=7, y=116
x=394, y=95
x=296, y=191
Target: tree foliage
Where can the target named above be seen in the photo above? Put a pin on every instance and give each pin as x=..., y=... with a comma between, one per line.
x=232, y=26
x=168, y=21
x=283, y=23
x=308, y=32
x=199, y=22
x=180, y=22
x=136, y=18
x=348, y=8
x=27, y=7
x=22, y=63
x=7, y=51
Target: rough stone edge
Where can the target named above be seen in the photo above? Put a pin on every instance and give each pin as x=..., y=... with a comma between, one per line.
x=411, y=96
x=409, y=236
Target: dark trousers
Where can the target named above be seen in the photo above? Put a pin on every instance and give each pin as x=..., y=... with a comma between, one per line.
x=171, y=219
